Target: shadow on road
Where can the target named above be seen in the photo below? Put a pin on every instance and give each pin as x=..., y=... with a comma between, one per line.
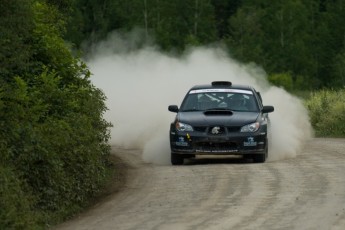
x=217, y=160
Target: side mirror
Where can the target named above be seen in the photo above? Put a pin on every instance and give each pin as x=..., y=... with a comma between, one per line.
x=173, y=108
x=267, y=109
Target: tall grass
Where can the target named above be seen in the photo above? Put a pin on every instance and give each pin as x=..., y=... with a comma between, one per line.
x=327, y=112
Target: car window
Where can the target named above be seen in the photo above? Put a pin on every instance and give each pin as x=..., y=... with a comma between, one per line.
x=206, y=100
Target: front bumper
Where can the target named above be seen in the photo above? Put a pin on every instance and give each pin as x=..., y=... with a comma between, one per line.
x=237, y=143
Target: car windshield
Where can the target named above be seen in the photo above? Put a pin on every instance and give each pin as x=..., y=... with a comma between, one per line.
x=209, y=99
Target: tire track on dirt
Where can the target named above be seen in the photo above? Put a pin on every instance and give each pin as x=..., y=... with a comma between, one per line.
x=306, y=192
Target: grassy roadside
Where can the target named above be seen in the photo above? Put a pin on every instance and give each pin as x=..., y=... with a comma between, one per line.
x=326, y=111
x=114, y=182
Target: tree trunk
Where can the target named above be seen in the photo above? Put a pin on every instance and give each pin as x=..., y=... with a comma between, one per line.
x=145, y=19
x=196, y=17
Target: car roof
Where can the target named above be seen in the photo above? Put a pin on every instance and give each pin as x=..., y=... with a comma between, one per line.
x=222, y=86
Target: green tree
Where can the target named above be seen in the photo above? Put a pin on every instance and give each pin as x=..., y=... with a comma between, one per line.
x=339, y=69
x=223, y=10
x=53, y=140
x=331, y=41
x=173, y=24
x=92, y=20
x=184, y=23
x=246, y=39
x=276, y=35
x=16, y=25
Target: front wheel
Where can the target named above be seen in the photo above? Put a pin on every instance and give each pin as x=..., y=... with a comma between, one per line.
x=176, y=159
x=259, y=158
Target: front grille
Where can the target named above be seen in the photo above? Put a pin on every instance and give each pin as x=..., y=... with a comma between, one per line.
x=233, y=129
x=222, y=130
x=211, y=146
x=200, y=128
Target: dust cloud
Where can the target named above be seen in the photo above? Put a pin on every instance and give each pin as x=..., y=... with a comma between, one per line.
x=141, y=83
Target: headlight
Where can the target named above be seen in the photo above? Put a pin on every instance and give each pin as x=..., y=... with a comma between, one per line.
x=183, y=127
x=253, y=127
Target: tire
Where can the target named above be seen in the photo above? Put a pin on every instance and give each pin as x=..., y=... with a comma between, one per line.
x=259, y=158
x=176, y=159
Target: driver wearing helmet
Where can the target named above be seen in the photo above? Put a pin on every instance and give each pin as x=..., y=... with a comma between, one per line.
x=237, y=102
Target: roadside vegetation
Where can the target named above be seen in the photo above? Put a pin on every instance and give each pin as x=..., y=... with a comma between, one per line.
x=326, y=107
x=53, y=140
x=54, y=150
x=326, y=111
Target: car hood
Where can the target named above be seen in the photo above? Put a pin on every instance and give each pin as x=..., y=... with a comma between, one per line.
x=197, y=118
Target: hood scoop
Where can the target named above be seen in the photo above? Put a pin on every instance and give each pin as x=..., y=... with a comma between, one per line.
x=216, y=112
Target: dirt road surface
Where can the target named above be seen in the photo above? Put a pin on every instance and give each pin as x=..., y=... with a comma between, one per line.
x=306, y=192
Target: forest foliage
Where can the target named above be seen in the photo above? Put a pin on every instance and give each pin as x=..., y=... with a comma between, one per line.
x=302, y=38
x=54, y=141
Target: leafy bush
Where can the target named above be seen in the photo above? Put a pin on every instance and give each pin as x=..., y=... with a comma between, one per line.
x=327, y=109
x=54, y=141
x=16, y=202
x=282, y=80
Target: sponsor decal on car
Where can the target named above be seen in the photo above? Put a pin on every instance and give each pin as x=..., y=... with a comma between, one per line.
x=216, y=151
x=188, y=137
x=220, y=90
x=250, y=142
x=181, y=142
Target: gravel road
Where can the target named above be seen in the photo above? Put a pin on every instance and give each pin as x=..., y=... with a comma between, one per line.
x=306, y=192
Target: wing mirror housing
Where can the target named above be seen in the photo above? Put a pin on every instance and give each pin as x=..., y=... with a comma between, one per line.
x=173, y=108
x=267, y=109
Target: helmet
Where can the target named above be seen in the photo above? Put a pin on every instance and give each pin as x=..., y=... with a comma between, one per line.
x=237, y=100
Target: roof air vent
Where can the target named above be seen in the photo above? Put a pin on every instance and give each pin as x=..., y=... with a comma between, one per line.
x=221, y=83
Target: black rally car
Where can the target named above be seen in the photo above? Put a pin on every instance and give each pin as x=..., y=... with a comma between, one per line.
x=220, y=119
